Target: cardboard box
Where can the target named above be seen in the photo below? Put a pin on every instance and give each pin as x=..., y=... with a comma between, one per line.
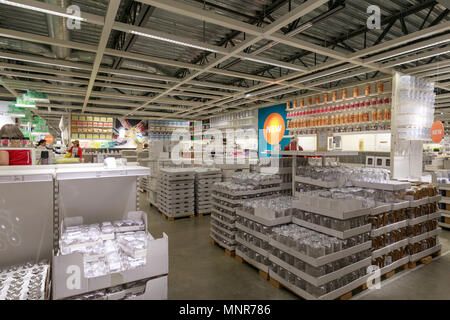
x=68, y=270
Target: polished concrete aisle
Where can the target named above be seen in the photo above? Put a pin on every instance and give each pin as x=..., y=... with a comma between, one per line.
x=199, y=270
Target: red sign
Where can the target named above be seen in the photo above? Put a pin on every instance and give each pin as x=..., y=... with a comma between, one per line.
x=437, y=132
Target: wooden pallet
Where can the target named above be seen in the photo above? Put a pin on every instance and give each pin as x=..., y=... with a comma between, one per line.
x=203, y=214
x=261, y=273
x=228, y=252
x=173, y=218
x=392, y=273
x=424, y=260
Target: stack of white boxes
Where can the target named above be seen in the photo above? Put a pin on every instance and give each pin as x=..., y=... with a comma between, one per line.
x=205, y=178
x=176, y=196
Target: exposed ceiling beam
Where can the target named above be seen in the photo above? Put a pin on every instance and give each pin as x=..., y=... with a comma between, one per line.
x=107, y=27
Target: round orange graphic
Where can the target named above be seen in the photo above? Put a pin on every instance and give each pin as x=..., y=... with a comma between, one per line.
x=274, y=128
x=437, y=132
x=49, y=138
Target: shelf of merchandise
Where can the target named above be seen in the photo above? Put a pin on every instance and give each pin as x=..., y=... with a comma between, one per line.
x=27, y=206
x=76, y=182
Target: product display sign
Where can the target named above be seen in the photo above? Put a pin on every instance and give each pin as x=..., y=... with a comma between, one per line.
x=49, y=138
x=272, y=129
x=437, y=132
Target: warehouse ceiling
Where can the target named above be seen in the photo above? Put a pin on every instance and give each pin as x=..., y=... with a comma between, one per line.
x=193, y=59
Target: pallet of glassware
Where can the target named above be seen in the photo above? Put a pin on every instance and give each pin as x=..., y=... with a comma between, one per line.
x=176, y=174
x=445, y=219
x=225, y=217
x=177, y=194
x=425, y=256
x=320, y=262
x=202, y=214
x=263, y=270
x=343, y=293
x=333, y=208
x=156, y=263
x=175, y=208
x=147, y=289
x=216, y=240
x=178, y=200
x=254, y=192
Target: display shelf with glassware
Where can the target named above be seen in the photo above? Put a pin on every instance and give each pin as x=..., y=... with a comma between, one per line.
x=244, y=119
x=412, y=118
x=364, y=111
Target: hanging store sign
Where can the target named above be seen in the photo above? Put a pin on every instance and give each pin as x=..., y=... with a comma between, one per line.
x=437, y=132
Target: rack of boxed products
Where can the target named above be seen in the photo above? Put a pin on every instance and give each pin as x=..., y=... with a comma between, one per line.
x=255, y=221
x=346, y=219
x=91, y=128
x=443, y=184
x=26, y=232
x=228, y=197
x=163, y=129
x=176, y=196
x=205, y=178
x=102, y=249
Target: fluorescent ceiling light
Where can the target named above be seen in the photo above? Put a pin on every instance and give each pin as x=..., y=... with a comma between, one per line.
x=273, y=64
x=171, y=41
x=56, y=13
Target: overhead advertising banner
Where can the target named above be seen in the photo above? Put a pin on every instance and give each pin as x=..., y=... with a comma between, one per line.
x=129, y=133
x=272, y=129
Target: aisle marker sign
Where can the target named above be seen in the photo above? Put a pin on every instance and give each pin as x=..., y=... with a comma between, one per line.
x=437, y=132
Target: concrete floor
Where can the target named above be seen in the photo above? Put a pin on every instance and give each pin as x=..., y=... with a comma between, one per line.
x=199, y=270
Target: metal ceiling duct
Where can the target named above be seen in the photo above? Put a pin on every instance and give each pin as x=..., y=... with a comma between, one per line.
x=26, y=47
x=57, y=28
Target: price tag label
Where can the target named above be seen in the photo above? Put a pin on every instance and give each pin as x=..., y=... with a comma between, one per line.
x=18, y=178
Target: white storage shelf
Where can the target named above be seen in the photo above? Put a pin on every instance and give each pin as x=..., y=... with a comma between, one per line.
x=82, y=172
